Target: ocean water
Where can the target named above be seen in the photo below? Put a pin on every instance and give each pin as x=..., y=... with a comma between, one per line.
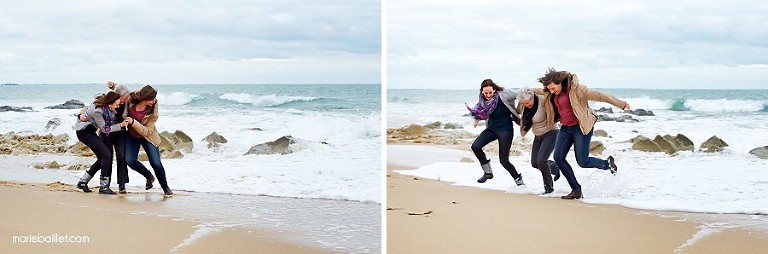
x=731, y=181
x=338, y=156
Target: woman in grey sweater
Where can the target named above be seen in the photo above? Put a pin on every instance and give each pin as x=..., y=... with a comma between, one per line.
x=101, y=117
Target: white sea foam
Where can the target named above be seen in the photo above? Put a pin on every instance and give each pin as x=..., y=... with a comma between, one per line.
x=337, y=156
x=177, y=98
x=725, y=105
x=264, y=100
x=726, y=182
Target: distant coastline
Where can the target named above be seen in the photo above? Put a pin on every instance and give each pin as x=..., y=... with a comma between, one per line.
x=10, y=84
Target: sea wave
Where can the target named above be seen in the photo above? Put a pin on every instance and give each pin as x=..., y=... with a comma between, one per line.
x=178, y=98
x=401, y=99
x=717, y=105
x=263, y=100
x=701, y=105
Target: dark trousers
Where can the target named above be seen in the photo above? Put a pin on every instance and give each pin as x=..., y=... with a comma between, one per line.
x=100, y=147
x=153, y=153
x=505, y=143
x=571, y=136
x=118, y=143
x=115, y=140
x=542, y=148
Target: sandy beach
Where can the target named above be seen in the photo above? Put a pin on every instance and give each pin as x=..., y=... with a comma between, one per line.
x=38, y=217
x=455, y=219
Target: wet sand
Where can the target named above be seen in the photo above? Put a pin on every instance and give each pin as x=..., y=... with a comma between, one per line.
x=472, y=220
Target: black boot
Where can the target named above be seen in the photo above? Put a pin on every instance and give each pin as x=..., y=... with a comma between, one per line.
x=487, y=173
x=104, y=186
x=554, y=169
x=83, y=183
x=150, y=180
x=612, y=165
x=167, y=191
x=121, y=188
x=83, y=186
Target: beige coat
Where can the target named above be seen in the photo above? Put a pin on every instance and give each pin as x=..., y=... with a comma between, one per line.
x=580, y=96
x=544, y=99
x=147, y=125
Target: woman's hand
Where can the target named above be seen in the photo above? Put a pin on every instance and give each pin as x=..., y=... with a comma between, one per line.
x=83, y=118
x=124, y=123
x=129, y=119
x=474, y=124
x=626, y=107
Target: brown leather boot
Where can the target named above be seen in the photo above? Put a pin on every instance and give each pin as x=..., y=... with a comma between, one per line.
x=572, y=195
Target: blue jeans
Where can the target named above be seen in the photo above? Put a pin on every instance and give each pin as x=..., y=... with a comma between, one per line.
x=505, y=143
x=571, y=136
x=153, y=153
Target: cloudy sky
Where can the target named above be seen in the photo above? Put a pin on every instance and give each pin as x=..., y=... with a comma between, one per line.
x=451, y=44
x=181, y=42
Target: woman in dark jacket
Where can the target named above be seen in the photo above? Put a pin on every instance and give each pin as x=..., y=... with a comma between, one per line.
x=101, y=116
x=496, y=107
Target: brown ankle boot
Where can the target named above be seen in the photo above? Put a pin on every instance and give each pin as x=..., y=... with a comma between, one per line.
x=572, y=195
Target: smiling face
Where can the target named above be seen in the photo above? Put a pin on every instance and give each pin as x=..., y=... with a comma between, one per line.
x=488, y=92
x=114, y=105
x=554, y=88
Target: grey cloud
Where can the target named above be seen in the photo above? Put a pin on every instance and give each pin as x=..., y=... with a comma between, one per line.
x=36, y=35
x=588, y=35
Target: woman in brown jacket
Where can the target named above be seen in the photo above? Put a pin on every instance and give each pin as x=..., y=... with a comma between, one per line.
x=141, y=114
x=577, y=119
x=536, y=116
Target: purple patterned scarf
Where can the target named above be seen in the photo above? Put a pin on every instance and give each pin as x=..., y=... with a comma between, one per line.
x=481, y=111
x=107, y=119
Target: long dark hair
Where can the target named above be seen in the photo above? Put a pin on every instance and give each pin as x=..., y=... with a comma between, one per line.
x=489, y=82
x=106, y=99
x=558, y=77
x=145, y=93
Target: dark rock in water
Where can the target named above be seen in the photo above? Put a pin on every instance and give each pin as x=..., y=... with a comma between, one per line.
x=640, y=112
x=70, y=104
x=760, y=152
x=254, y=129
x=665, y=145
x=15, y=109
x=182, y=141
x=605, y=118
x=642, y=143
x=621, y=119
x=452, y=126
x=626, y=118
x=214, y=140
x=596, y=147
x=682, y=143
x=52, y=124
x=600, y=133
x=713, y=144
x=177, y=140
x=280, y=146
x=434, y=125
x=605, y=110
